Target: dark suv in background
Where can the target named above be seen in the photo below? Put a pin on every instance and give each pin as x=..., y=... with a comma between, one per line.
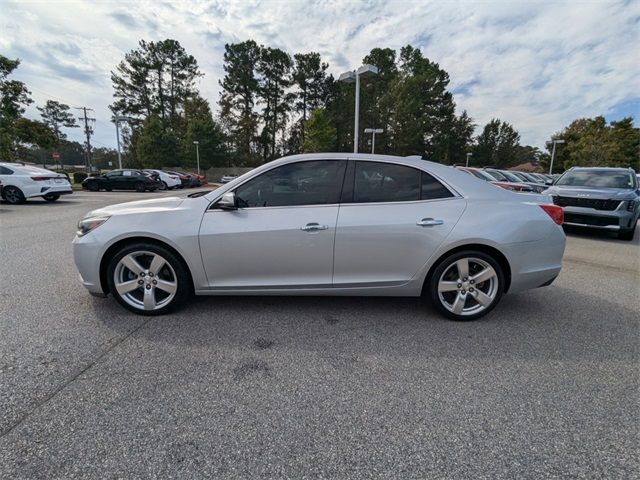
x=597, y=197
x=123, y=180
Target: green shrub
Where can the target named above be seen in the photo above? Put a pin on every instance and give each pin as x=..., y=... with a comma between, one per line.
x=78, y=177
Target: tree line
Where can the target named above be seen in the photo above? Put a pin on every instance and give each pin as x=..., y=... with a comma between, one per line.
x=274, y=104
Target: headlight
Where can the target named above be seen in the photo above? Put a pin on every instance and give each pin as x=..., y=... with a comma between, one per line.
x=87, y=224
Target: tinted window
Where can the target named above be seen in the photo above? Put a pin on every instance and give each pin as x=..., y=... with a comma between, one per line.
x=5, y=171
x=385, y=182
x=116, y=173
x=432, y=188
x=303, y=183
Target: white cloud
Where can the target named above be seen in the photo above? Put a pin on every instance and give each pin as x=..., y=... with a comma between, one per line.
x=537, y=65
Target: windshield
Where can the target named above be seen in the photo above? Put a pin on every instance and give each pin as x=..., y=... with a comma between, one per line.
x=483, y=175
x=597, y=179
x=497, y=175
x=511, y=177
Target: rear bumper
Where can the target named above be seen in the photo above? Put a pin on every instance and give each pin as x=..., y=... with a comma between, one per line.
x=535, y=264
x=41, y=191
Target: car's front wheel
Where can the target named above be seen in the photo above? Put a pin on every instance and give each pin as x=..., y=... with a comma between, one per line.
x=627, y=233
x=52, y=197
x=466, y=285
x=148, y=279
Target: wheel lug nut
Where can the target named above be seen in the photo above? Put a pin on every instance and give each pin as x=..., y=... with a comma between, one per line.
x=463, y=292
x=140, y=282
x=155, y=282
x=471, y=289
x=142, y=274
x=148, y=287
x=151, y=274
x=459, y=285
x=472, y=282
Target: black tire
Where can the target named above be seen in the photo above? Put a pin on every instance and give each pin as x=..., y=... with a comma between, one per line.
x=108, y=189
x=13, y=195
x=139, y=187
x=93, y=187
x=52, y=197
x=180, y=271
x=494, y=287
x=627, y=233
x=164, y=186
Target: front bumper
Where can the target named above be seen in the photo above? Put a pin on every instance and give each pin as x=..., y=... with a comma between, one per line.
x=87, y=253
x=600, y=219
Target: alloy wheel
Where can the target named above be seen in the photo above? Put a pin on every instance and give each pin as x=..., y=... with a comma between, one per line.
x=468, y=286
x=12, y=195
x=145, y=280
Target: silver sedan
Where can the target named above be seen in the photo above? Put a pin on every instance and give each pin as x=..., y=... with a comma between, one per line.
x=327, y=224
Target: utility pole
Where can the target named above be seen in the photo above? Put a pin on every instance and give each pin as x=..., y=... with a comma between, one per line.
x=197, y=144
x=118, y=119
x=88, y=131
x=469, y=154
x=553, y=153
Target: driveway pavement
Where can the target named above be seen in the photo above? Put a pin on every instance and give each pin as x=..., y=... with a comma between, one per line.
x=267, y=387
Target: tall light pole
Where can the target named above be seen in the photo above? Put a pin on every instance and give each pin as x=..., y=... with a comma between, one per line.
x=197, y=144
x=373, y=132
x=553, y=153
x=469, y=155
x=118, y=119
x=351, y=77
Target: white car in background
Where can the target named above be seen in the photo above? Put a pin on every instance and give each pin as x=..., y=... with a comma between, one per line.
x=168, y=180
x=21, y=182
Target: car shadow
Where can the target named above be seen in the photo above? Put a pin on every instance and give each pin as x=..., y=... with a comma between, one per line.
x=547, y=323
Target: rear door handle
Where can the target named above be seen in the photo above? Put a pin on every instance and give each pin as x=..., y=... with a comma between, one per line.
x=314, y=227
x=429, y=222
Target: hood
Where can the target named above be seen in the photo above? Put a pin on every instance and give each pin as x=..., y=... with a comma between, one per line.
x=140, y=206
x=595, y=193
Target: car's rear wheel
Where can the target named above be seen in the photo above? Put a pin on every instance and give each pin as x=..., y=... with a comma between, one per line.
x=466, y=285
x=148, y=279
x=139, y=186
x=13, y=195
x=164, y=186
x=52, y=197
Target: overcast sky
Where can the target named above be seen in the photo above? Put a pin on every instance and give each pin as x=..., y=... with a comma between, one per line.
x=537, y=65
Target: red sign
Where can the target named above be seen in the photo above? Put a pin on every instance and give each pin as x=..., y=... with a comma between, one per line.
x=55, y=156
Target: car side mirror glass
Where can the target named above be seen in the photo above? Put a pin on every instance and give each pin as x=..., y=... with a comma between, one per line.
x=549, y=182
x=228, y=201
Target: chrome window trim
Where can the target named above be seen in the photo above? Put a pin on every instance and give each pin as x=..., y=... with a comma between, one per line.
x=455, y=194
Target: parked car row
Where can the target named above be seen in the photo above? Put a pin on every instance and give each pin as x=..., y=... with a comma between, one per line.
x=511, y=180
x=143, y=180
x=597, y=198
x=21, y=182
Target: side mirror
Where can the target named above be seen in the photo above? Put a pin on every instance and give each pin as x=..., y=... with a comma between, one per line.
x=228, y=201
x=549, y=182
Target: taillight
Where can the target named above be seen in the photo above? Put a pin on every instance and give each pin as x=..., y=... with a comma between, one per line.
x=41, y=179
x=555, y=212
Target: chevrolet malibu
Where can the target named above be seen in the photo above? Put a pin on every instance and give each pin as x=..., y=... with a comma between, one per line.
x=327, y=224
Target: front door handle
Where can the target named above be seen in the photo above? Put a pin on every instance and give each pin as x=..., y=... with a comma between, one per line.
x=429, y=222
x=314, y=227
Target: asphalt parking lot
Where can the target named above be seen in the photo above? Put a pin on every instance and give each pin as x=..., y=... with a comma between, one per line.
x=233, y=387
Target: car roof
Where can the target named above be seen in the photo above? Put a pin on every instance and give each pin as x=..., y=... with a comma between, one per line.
x=610, y=169
x=459, y=181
